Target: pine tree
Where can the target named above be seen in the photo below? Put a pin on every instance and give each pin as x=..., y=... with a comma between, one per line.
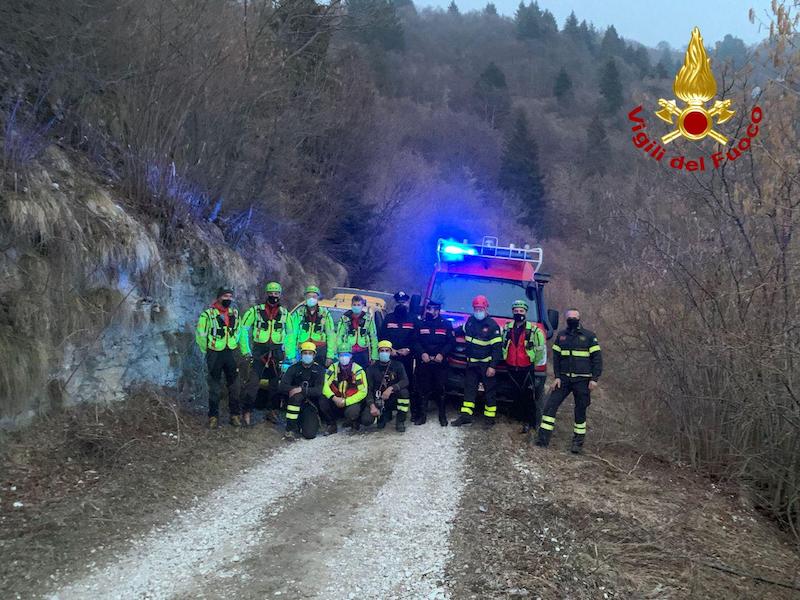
x=598, y=150
x=376, y=23
x=612, y=45
x=453, y=8
x=611, y=87
x=562, y=89
x=571, y=27
x=493, y=100
x=490, y=10
x=519, y=171
x=528, y=21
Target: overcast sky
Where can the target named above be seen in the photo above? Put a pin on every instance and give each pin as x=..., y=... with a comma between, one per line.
x=648, y=22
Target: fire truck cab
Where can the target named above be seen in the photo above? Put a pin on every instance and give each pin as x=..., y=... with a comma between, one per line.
x=501, y=273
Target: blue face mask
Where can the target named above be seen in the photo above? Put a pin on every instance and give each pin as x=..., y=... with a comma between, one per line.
x=311, y=302
x=307, y=359
x=357, y=310
x=344, y=360
x=480, y=314
x=384, y=356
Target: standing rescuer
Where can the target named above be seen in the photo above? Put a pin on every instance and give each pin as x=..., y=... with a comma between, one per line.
x=388, y=386
x=577, y=366
x=356, y=333
x=398, y=328
x=523, y=349
x=484, y=351
x=345, y=394
x=302, y=383
x=217, y=335
x=267, y=325
x=433, y=342
x=310, y=322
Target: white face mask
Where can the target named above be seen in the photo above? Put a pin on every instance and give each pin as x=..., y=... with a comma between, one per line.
x=480, y=315
x=344, y=360
x=311, y=302
x=384, y=356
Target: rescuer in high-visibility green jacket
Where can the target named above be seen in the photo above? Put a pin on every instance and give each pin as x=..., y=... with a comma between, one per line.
x=268, y=326
x=310, y=322
x=217, y=335
x=356, y=333
x=345, y=394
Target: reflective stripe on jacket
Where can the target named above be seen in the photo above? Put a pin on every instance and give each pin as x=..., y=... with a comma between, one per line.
x=576, y=354
x=484, y=341
x=353, y=388
x=212, y=333
x=534, y=344
x=302, y=329
x=263, y=331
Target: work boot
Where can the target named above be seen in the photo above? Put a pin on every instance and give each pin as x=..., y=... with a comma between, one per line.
x=543, y=439
x=331, y=429
x=488, y=423
x=247, y=418
x=577, y=444
x=400, y=425
x=290, y=436
x=421, y=419
x=443, y=420
x=213, y=422
x=464, y=419
x=236, y=421
x=525, y=428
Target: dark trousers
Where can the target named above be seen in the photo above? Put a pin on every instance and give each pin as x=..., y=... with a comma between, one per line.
x=218, y=363
x=408, y=365
x=355, y=413
x=431, y=378
x=361, y=358
x=302, y=414
x=266, y=366
x=527, y=391
x=579, y=388
x=396, y=402
x=474, y=374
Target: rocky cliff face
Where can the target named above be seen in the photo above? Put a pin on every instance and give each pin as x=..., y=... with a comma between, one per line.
x=91, y=302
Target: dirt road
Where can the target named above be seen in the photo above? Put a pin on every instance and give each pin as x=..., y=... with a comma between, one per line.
x=348, y=516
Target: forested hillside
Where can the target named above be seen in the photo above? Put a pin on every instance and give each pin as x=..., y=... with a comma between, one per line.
x=363, y=130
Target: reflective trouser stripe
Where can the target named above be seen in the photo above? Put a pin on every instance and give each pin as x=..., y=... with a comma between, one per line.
x=547, y=426
x=292, y=411
x=490, y=411
x=547, y=419
x=580, y=428
x=467, y=407
x=402, y=404
x=593, y=349
x=548, y=423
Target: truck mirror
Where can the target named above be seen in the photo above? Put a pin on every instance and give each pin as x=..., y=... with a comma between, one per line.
x=530, y=292
x=552, y=316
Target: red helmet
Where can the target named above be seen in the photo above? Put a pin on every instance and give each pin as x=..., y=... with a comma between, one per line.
x=480, y=302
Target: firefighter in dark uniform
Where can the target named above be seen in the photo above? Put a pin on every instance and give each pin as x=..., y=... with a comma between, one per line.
x=577, y=365
x=433, y=342
x=302, y=384
x=267, y=325
x=388, y=387
x=523, y=349
x=484, y=351
x=398, y=328
x=217, y=335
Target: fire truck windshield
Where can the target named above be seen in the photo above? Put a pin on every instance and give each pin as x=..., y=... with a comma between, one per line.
x=456, y=292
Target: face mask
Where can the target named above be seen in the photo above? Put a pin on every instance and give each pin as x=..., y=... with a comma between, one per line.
x=357, y=310
x=307, y=359
x=519, y=318
x=429, y=316
x=226, y=303
x=344, y=360
x=272, y=299
x=384, y=356
x=311, y=302
x=480, y=314
x=401, y=310
x=573, y=323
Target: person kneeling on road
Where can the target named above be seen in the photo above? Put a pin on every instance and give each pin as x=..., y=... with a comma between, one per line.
x=302, y=383
x=388, y=385
x=344, y=394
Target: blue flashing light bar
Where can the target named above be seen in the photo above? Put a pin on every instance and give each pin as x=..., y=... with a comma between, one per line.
x=450, y=250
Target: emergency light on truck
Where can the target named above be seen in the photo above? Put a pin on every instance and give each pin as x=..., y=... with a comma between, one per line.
x=453, y=251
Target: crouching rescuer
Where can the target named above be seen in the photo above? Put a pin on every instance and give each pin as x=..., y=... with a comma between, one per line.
x=577, y=366
x=302, y=383
x=388, y=385
x=217, y=335
x=344, y=394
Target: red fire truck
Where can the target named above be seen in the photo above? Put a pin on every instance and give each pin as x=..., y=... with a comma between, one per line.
x=501, y=273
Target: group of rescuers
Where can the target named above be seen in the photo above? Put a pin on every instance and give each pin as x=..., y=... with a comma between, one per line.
x=331, y=371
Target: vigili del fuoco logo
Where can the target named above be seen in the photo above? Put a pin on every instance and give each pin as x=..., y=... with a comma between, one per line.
x=695, y=86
